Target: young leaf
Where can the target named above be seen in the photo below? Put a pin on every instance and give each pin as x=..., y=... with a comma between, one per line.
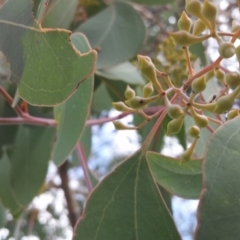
x=29, y=161
x=219, y=202
x=127, y=205
x=43, y=62
x=117, y=31
x=6, y=192
x=183, y=180
x=72, y=114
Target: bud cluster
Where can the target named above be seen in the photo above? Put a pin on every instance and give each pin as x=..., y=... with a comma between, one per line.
x=189, y=104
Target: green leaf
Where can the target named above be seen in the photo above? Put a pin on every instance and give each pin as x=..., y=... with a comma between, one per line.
x=127, y=205
x=3, y=216
x=117, y=32
x=199, y=50
x=116, y=89
x=60, y=13
x=152, y=2
x=43, y=62
x=218, y=216
x=72, y=114
x=6, y=192
x=101, y=99
x=126, y=72
x=29, y=161
x=7, y=132
x=183, y=180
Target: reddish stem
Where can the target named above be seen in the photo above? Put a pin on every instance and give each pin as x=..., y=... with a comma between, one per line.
x=83, y=163
x=9, y=99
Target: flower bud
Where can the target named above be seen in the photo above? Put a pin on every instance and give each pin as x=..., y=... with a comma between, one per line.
x=173, y=110
x=235, y=26
x=148, y=89
x=199, y=85
x=232, y=114
x=129, y=92
x=225, y=103
x=186, y=156
x=226, y=50
x=238, y=54
x=194, y=7
x=185, y=38
x=220, y=75
x=198, y=27
x=206, y=106
x=121, y=107
x=175, y=125
x=148, y=70
x=184, y=22
x=140, y=102
x=199, y=119
x=209, y=75
x=209, y=11
x=233, y=79
x=120, y=126
x=194, y=131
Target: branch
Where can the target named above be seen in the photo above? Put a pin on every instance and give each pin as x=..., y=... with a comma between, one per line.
x=62, y=170
x=83, y=163
x=25, y=118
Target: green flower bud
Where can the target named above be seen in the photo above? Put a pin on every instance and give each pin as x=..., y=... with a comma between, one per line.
x=187, y=154
x=225, y=103
x=235, y=26
x=129, y=92
x=185, y=38
x=148, y=89
x=226, y=50
x=148, y=70
x=220, y=75
x=209, y=11
x=173, y=110
x=199, y=119
x=233, y=79
x=140, y=102
x=209, y=75
x=238, y=54
x=232, y=114
x=206, y=106
x=199, y=85
x=121, y=107
x=175, y=125
x=198, y=27
x=194, y=131
x=120, y=126
x=184, y=22
x=194, y=7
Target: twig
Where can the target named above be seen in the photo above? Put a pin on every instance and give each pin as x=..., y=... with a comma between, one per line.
x=9, y=99
x=37, y=121
x=83, y=163
x=62, y=170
